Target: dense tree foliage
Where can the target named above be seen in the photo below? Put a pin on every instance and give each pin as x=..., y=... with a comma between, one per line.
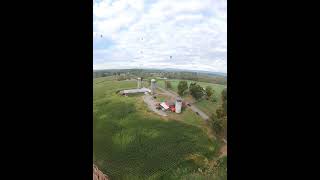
x=209, y=91
x=196, y=91
x=182, y=87
x=217, y=124
x=224, y=100
x=167, y=85
x=219, y=118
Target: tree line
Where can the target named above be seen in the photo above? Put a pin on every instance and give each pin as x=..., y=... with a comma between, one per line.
x=195, y=90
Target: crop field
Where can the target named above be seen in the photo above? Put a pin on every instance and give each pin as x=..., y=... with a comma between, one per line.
x=131, y=142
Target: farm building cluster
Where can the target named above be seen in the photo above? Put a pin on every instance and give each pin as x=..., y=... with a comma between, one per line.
x=140, y=89
x=170, y=106
x=173, y=105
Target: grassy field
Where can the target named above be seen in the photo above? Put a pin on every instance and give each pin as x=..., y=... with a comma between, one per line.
x=206, y=106
x=130, y=142
x=175, y=82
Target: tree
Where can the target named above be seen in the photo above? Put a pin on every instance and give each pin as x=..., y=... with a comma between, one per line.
x=217, y=124
x=182, y=87
x=224, y=94
x=209, y=91
x=220, y=113
x=219, y=118
x=224, y=100
x=196, y=91
x=167, y=84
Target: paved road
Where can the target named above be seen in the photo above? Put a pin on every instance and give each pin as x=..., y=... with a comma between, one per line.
x=192, y=107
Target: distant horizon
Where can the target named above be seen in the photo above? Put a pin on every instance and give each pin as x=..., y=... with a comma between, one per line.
x=176, y=69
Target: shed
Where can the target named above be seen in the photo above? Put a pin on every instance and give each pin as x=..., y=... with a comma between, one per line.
x=164, y=105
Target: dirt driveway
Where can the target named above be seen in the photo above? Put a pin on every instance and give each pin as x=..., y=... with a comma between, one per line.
x=148, y=99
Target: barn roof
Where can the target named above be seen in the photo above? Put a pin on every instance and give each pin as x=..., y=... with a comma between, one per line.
x=142, y=90
x=164, y=105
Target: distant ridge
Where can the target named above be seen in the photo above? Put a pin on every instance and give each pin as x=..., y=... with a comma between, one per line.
x=168, y=70
x=200, y=71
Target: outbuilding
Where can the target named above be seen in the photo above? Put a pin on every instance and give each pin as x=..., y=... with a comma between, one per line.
x=164, y=106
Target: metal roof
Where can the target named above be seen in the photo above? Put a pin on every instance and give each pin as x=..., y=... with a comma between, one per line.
x=164, y=105
x=142, y=90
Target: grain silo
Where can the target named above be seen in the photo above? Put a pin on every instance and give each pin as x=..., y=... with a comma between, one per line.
x=153, y=86
x=139, y=83
x=178, y=105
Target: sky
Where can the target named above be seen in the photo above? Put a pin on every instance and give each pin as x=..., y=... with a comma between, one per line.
x=181, y=34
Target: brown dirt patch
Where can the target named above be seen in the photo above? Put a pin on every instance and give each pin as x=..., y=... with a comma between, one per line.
x=223, y=151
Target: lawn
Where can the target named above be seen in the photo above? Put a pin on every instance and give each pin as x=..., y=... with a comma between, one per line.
x=130, y=142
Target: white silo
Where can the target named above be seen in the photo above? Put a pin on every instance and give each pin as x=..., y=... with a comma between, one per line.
x=153, y=86
x=139, y=83
x=178, y=105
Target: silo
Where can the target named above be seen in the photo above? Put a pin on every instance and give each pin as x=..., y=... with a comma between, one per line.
x=139, y=83
x=178, y=105
x=153, y=86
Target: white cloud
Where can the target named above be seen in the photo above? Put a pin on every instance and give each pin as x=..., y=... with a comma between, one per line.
x=145, y=35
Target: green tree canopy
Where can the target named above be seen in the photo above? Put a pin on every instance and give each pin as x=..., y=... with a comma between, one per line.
x=224, y=100
x=196, y=90
x=209, y=91
x=182, y=87
x=168, y=85
x=224, y=94
x=217, y=124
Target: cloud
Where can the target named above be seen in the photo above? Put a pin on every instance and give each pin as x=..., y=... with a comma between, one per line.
x=144, y=34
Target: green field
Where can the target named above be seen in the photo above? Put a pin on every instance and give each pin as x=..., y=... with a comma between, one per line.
x=174, y=82
x=206, y=106
x=130, y=142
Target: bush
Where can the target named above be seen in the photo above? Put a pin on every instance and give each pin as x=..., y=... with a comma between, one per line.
x=209, y=91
